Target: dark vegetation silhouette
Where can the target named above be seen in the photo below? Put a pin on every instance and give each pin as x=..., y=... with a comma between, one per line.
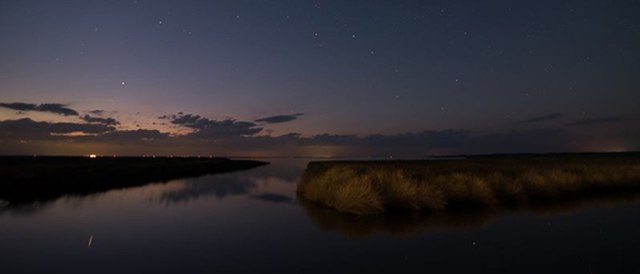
x=39, y=179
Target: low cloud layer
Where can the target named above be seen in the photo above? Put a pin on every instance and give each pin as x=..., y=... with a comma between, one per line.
x=276, y=119
x=131, y=136
x=60, y=109
x=549, y=117
x=244, y=138
x=97, y=112
x=28, y=129
x=99, y=120
x=596, y=121
x=209, y=128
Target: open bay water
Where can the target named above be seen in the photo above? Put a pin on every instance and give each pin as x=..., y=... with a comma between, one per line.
x=251, y=222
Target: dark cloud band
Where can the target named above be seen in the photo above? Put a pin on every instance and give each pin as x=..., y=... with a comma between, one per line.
x=279, y=118
x=596, y=121
x=100, y=120
x=49, y=107
x=552, y=116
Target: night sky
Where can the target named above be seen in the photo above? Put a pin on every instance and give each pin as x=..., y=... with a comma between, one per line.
x=318, y=78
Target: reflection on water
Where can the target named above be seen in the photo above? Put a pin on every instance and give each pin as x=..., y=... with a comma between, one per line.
x=239, y=183
x=251, y=222
x=400, y=224
x=273, y=197
x=249, y=182
x=404, y=224
x=218, y=186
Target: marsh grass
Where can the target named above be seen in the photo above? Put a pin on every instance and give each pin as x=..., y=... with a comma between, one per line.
x=374, y=187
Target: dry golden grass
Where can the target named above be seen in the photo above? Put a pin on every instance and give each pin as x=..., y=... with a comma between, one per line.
x=373, y=187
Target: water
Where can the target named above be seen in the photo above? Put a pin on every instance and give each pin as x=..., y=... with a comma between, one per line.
x=251, y=222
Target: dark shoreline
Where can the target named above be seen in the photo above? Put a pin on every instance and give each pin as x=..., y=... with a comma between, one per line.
x=40, y=179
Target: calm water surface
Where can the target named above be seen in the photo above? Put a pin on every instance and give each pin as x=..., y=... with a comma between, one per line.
x=251, y=222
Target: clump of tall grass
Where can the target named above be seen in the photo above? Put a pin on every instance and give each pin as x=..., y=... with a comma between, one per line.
x=366, y=188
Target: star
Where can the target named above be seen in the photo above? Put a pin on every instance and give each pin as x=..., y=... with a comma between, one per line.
x=123, y=83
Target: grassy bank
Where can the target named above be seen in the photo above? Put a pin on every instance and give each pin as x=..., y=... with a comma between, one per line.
x=29, y=179
x=374, y=187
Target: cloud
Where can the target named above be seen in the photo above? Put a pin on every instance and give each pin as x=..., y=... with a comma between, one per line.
x=279, y=118
x=49, y=107
x=208, y=128
x=57, y=108
x=596, y=121
x=19, y=106
x=127, y=136
x=438, y=142
x=424, y=143
x=434, y=138
x=552, y=116
x=98, y=120
x=29, y=129
x=97, y=112
x=240, y=138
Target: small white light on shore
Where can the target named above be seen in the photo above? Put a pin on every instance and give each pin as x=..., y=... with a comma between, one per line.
x=92, y=156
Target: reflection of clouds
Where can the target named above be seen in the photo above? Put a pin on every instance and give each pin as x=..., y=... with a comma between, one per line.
x=280, y=172
x=284, y=174
x=219, y=186
x=279, y=177
x=266, y=182
x=23, y=209
x=274, y=198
